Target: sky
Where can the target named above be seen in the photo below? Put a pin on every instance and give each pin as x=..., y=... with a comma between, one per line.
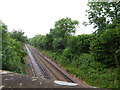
x=38, y=16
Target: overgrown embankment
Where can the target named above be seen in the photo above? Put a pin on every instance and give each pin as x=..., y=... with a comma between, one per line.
x=93, y=58
x=12, y=53
x=87, y=69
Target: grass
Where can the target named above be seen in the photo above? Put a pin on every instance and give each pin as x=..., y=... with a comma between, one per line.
x=88, y=70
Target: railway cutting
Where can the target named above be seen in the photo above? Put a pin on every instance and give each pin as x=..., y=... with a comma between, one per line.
x=42, y=66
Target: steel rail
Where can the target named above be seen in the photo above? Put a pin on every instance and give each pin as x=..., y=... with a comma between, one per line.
x=40, y=67
x=52, y=65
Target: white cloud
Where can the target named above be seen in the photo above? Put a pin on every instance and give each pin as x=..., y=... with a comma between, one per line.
x=38, y=16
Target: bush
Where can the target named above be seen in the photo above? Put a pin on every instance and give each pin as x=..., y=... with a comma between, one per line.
x=12, y=52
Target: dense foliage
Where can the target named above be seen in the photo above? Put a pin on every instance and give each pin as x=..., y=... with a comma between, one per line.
x=105, y=46
x=13, y=54
x=103, y=13
x=93, y=58
x=106, y=43
x=19, y=36
x=56, y=40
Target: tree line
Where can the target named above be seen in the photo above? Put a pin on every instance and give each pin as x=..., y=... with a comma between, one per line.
x=96, y=54
x=12, y=52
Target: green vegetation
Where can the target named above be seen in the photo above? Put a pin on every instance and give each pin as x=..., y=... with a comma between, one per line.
x=87, y=69
x=19, y=36
x=12, y=53
x=93, y=58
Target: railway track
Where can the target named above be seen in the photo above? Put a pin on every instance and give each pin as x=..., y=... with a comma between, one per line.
x=47, y=68
x=36, y=67
x=55, y=70
x=39, y=58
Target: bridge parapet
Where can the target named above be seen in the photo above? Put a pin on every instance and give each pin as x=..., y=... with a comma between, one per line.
x=15, y=80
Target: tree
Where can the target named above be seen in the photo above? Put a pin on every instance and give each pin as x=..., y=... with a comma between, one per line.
x=49, y=42
x=65, y=26
x=12, y=51
x=19, y=36
x=103, y=13
x=105, y=17
x=79, y=44
x=38, y=41
x=62, y=29
x=105, y=46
